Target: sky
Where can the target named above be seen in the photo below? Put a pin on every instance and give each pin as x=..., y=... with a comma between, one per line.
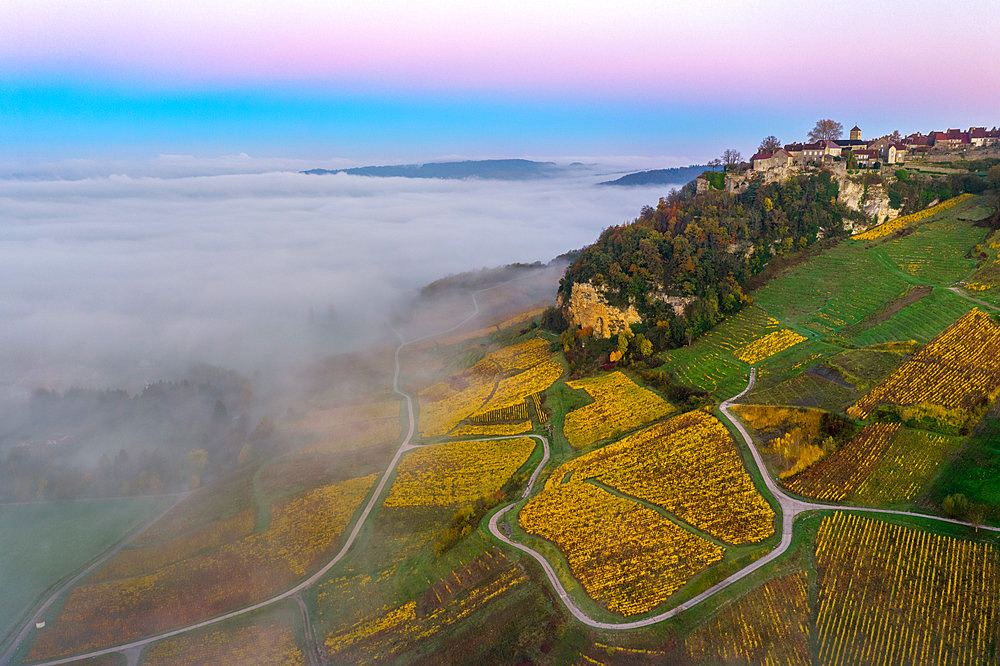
x=382, y=81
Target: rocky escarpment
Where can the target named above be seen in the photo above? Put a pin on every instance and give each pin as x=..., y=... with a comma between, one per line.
x=588, y=308
x=872, y=200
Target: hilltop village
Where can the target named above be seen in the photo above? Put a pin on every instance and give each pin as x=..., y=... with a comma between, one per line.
x=864, y=168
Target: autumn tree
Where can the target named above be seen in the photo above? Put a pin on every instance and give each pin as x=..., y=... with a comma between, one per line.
x=769, y=145
x=826, y=130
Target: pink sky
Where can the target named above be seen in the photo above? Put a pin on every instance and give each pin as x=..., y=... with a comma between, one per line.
x=739, y=51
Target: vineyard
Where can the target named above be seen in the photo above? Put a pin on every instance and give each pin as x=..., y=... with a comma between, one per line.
x=619, y=406
x=901, y=596
x=842, y=472
x=893, y=226
x=768, y=346
x=906, y=467
x=457, y=472
x=393, y=630
x=511, y=413
x=302, y=533
x=687, y=465
x=953, y=374
x=770, y=625
x=495, y=430
x=629, y=558
x=264, y=644
x=709, y=364
x=502, y=379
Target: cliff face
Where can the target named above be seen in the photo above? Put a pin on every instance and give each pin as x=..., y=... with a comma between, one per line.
x=874, y=203
x=588, y=307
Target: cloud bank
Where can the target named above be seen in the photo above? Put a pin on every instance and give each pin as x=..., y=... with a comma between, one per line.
x=124, y=279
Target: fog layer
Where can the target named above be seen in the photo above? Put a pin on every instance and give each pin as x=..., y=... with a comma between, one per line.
x=121, y=280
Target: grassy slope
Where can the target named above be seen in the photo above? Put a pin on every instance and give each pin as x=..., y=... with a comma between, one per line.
x=44, y=543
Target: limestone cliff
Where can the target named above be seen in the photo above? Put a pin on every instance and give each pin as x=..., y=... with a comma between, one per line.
x=874, y=202
x=588, y=308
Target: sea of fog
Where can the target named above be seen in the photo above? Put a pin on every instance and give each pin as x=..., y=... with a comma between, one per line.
x=116, y=280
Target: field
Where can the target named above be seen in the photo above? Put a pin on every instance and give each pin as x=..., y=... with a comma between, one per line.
x=457, y=472
x=496, y=430
x=920, y=321
x=904, y=596
x=768, y=346
x=302, y=533
x=503, y=378
x=687, y=465
x=628, y=557
x=619, y=405
x=957, y=372
x=937, y=252
x=906, y=468
x=396, y=630
x=42, y=543
x=769, y=625
x=842, y=472
x=709, y=364
x=265, y=642
x=892, y=226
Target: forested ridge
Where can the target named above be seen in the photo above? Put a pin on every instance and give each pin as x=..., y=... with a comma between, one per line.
x=706, y=246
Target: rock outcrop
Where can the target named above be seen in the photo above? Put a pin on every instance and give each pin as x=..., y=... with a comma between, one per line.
x=588, y=308
x=874, y=202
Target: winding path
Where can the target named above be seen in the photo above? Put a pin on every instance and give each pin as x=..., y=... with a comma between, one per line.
x=790, y=509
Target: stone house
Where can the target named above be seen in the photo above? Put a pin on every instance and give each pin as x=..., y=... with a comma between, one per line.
x=765, y=161
x=866, y=157
x=953, y=138
x=980, y=136
x=894, y=153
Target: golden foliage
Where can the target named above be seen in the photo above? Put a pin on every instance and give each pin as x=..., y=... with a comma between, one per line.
x=264, y=644
x=768, y=346
x=457, y=472
x=894, y=225
x=769, y=625
x=501, y=379
x=688, y=465
x=393, y=630
x=628, y=557
x=904, y=596
x=955, y=371
x=619, y=405
x=494, y=430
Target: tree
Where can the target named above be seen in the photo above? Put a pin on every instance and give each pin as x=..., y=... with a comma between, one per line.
x=993, y=176
x=715, y=164
x=731, y=158
x=826, y=130
x=769, y=145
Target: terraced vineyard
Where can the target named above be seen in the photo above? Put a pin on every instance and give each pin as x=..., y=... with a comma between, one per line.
x=628, y=557
x=500, y=381
x=457, y=472
x=841, y=473
x=956, y=372
x=619, y=405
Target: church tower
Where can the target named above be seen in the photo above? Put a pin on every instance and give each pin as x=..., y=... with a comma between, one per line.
x=855, y=133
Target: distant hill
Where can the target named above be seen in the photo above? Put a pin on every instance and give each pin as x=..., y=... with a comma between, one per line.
x=489, y=169
x=660, y=176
